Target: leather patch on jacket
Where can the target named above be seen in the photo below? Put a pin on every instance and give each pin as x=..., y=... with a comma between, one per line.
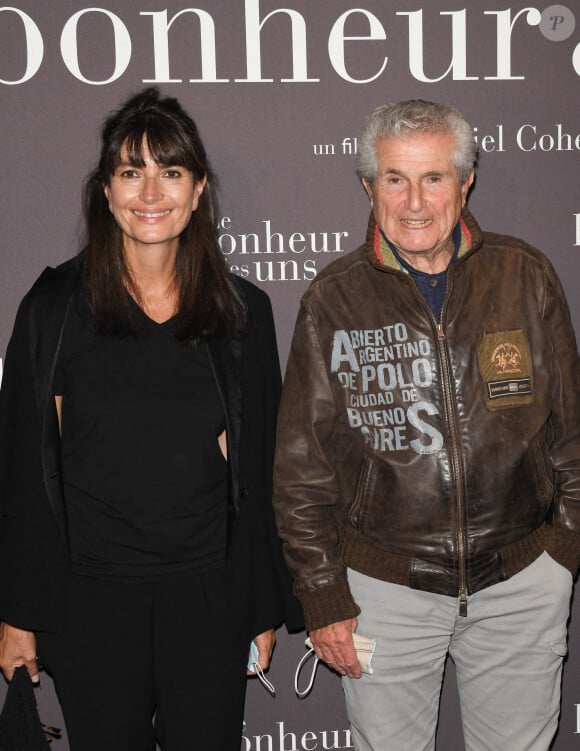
x=505, y=365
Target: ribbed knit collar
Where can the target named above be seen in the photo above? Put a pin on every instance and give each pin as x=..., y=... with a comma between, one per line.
x=384, y=255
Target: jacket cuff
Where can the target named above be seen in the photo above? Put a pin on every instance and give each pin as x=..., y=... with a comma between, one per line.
x=564, y=547
x=326, y=605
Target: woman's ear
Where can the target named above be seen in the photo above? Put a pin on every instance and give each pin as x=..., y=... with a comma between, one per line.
x=198, y=187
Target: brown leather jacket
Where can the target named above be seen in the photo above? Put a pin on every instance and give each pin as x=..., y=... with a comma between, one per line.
x=442, y=455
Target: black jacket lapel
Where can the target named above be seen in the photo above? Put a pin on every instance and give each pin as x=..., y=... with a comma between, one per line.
x=226, y=362
x=47, y=316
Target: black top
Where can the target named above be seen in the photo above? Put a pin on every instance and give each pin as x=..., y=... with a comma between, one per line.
x=145, y=481
x=34, y=536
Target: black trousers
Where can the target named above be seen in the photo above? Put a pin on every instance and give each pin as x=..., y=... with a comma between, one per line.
x=131, y=652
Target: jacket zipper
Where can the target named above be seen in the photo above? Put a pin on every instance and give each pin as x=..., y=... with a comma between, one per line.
x=456, y=465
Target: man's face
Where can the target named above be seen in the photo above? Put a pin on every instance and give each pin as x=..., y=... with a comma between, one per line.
x=416, y=196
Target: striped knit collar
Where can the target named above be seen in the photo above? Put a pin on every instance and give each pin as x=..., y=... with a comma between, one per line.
x=386, y=257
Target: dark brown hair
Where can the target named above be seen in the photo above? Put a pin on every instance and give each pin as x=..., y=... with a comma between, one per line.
x=208, y=302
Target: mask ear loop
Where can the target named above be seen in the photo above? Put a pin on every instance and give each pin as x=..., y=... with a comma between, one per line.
x=257, y=668
x=308, y=689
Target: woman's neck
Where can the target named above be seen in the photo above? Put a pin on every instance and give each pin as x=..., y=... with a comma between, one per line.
x=152, y=281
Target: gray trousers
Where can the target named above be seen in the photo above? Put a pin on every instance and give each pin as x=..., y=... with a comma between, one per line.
x=508, y=655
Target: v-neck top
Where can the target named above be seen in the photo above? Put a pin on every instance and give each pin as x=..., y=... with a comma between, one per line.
x=145, y=481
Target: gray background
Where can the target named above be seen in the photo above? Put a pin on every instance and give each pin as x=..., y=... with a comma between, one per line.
x=277, y=146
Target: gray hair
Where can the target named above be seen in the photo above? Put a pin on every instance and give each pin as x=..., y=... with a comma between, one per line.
x=416, y=116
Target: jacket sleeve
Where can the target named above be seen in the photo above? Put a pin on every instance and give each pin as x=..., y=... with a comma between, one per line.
x=271, y=597
x=32, y=553
x=563, y=542
x=306, y=491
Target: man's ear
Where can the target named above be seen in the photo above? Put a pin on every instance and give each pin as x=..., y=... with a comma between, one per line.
x=368, y=189
x=466, y=186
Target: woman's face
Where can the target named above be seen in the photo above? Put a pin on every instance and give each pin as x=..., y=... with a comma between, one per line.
x=152, y=204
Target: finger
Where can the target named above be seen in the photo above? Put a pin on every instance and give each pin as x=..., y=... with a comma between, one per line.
x=324, y=654
x=331, y=653
x=264, y=657
x=345, y=661
x=350, y=671
x=264, y=660
x=353, y=670
x=265, y=643
x=32, y=667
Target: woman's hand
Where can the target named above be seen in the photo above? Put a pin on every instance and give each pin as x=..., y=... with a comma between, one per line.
x=17, y=647
x=265, y=643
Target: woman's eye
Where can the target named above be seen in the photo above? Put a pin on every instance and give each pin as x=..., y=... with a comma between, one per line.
x=128, y=173
x=172, y=173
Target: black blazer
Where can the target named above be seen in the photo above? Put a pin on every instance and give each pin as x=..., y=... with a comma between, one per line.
x=33, y=531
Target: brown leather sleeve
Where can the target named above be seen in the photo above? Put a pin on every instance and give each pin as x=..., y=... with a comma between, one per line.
x=306, y=490
x=565, y=422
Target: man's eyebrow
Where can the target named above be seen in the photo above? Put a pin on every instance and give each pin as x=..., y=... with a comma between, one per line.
x=430, y=173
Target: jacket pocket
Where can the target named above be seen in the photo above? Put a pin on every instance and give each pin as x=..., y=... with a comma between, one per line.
x=364, y=486
x=542, y=470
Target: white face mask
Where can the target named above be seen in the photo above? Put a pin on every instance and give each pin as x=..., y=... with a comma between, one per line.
x=365, y=648
x=254, y=666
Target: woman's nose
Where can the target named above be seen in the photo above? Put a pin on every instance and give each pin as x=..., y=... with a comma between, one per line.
x=151, y=190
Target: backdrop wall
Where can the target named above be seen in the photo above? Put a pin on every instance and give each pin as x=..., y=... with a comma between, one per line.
x=279, y=89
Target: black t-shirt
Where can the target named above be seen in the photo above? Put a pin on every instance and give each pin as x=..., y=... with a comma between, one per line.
x=145, y=481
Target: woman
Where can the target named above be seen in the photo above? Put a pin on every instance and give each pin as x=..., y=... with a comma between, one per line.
x=138, y=552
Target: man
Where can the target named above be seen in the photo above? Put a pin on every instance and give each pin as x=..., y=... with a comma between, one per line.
x=428, y=461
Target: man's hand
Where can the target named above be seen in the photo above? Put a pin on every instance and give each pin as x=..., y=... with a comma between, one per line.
x=335, y=646
x=265, y=643
x=17, y=647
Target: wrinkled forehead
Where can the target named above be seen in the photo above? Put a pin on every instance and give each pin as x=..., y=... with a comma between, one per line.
x=421, y=149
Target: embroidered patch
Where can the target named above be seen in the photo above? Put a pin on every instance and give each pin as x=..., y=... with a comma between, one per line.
x=505, y=365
